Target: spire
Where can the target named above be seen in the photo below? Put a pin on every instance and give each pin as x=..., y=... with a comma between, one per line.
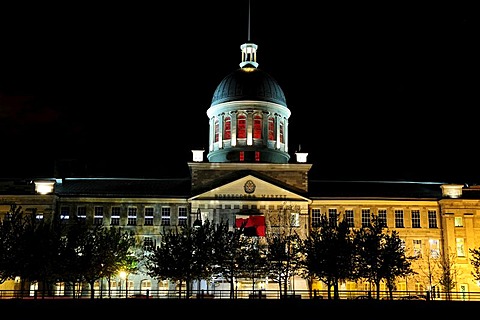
x=249, y=49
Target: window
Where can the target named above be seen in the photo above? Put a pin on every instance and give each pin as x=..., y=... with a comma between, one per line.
x=82, y=213
x=271, y=128
x=182, y=216
x=417, y=248
x=98, y=217
x=399, y=219
x=434, y=248
x=458, y=221
x=415, y=218
x=460, y=247
x=241, y=156
x=316, y=218
x=64, y=213
x=227, y=128
x=432, y=219
x=148, y=243
x=349, y=216
x=115, y=218
x=165, y=216
x=148, y=220
x=241, y=126
x=332, y=217
x=132, y=216
x=257, y=127
x=257, y=156
x=216, y=130
x=294, y=219
x=281, y=133
x=382, y=217
x=365, y=217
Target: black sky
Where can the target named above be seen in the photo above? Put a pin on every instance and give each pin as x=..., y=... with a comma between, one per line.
x=384, y=91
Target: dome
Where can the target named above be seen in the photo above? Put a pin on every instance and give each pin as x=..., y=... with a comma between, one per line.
x=249, y=84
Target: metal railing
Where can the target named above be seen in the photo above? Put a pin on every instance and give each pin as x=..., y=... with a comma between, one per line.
x=239, y=294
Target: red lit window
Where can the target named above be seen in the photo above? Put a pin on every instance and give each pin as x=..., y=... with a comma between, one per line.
x=241, y=156
x=227, y=127
x=216, y=130
x=242, y=126
x=271, y=128
x=257, y=156
x=257, y=127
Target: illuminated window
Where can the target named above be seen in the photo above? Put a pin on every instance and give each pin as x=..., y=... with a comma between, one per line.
x=434, y=248
x=165, y=216
x=281, y=133
x=216, y=130
x=115, y=218
x=399, y=219
x=241, y=126
x=82, y=213
x=148, y=221
x=349, y=217
x=241, y=156
x=294, y=219
x=257, y=156
x=227, y=128
x=417, y=248
x=415, y=218
x=98, y=216
x=382, y=217
x=132, y=216
x=316, y=218
x=257, y=127
x=271, y=128
x=460, y=247
x=458, y=222
x=64, y=213
x=365, y=217
x=432, y=219
x=182, y=216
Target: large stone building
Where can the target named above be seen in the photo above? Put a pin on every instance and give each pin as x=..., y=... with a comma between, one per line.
x=250, y=173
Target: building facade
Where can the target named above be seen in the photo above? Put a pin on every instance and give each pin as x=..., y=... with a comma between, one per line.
x=250, y=174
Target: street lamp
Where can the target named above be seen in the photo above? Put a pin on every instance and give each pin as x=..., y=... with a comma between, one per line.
x=198, y=220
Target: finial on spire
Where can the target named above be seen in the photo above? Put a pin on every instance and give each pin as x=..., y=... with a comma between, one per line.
x=249, y=50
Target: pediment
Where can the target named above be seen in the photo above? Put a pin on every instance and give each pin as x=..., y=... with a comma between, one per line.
x=249, y=188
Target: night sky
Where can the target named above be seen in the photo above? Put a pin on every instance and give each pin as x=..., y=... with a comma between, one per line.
x=376, y=91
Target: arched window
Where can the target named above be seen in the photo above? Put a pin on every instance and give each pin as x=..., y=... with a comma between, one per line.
x=271, y=128
x=257, y=127
x=216, y=130
x=241, y=126
x=281, y=132
x=227, y=128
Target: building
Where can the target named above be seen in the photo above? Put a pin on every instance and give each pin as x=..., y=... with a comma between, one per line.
x=250, y=173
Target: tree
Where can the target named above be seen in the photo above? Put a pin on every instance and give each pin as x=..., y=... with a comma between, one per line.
x=253, y=260
x=395, y=262
x=227, y=252
x=284, y=258
x=11, y=228
x=380, y=255
x=178, y=257
x=329, y=253
x=449, y=273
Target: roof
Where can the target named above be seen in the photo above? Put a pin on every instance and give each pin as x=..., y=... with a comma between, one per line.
x=374, y=189
x=175, y=188
x=249, y=84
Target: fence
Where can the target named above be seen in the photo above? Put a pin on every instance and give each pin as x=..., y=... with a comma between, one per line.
x=240, y=294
